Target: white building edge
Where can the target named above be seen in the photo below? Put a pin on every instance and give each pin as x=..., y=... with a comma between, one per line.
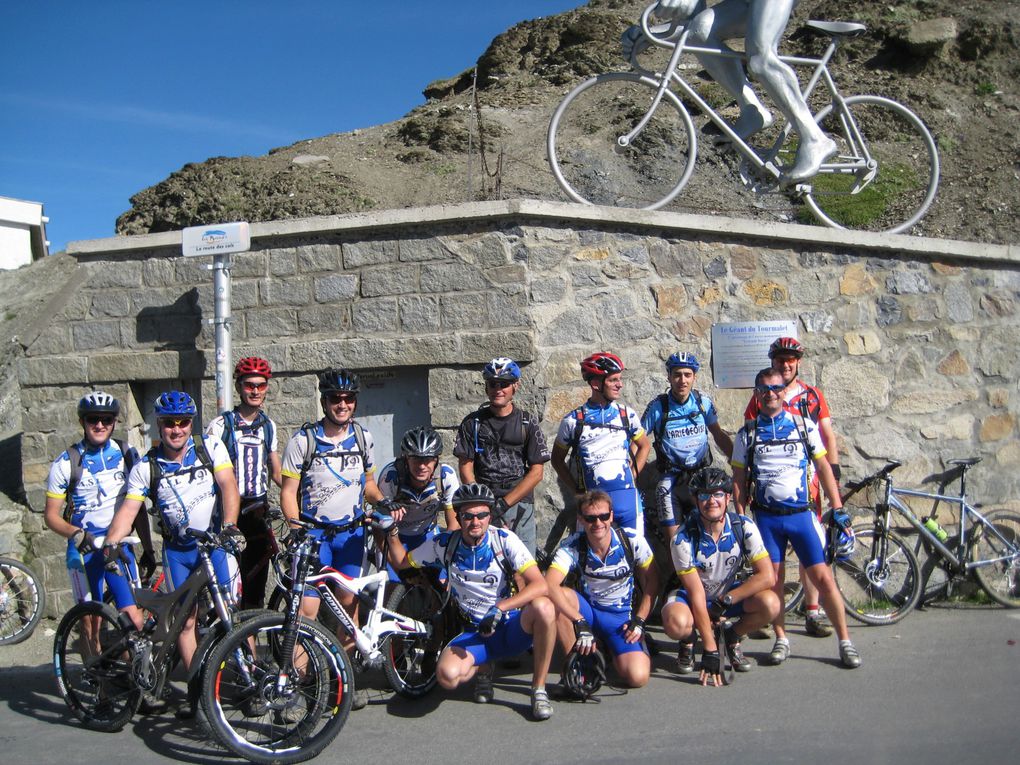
x=22, y=232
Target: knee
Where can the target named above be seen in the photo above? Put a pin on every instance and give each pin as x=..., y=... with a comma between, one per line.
x=677, y=621
x=762, y=64
x=543, y=611
x=636, y=672
x=770, y=603
x=449, y=672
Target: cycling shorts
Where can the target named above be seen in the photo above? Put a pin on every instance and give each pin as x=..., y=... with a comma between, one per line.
x=344, y=551
x=90, y=580
x=178, y=563
x=608, y=627
x=627, y=510
x=508, y=640
x=680, y=596
x=802, y=530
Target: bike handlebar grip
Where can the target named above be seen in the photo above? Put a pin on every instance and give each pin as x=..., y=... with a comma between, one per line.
x=652, y=37
x=381, y=521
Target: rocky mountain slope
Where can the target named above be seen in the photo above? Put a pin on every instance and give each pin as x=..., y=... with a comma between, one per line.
x=959, y=71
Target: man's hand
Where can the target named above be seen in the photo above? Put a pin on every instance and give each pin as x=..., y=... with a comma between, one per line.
x=114, y=557
x=841, y=519
x=711, y=669
x=233, y=537
x=147, y=565
x=584, y=638
x=491, y=620
x=633, y=629
x=499, y=510
x=84, y=541
x=633, y=42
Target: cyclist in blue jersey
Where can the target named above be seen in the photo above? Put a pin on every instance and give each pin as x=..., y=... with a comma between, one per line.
x=250, y=438
x=602, y=606
x=770, y=461
x=483, y=563
x=86, y=485
x=605, y=443
x=681, y=420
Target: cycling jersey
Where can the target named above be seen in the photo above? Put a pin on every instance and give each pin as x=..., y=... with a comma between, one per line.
x=604, y=444
x=714, y=561
x=608, y=583
x=186, y=495
x=99, y=490
x=476, y=574
x=502, y=449
x=780, y=465
x=422, y=508
x=332, y=488
x=251, y=460
x=684, y=442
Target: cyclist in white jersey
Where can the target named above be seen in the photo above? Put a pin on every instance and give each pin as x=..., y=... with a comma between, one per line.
x=83, y=512
x=483, y=562
x=608, y=445
x=250, y=438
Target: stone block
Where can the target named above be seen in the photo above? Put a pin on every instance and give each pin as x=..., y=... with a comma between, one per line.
x=930, y=36
x=318, y=257
x=191, y=271
x=923, y=309
x=617, y=334
x=586, y=276
x=715, y=268
x=862, y=343
x=419, y=314
x=480, y=347
x=157, y=365
x=816, y=321
x=451, y=277
x=996, y=427
x=150, y=331
x=561, y=402
x=670, y=299
x=110, y=304
x=743, y=262
x=889, y=311
x=635, y=254
x=53, y=370
x=959, y=306
x=765, y=292
x=692, y=329
x=375, y=315
x=371, y=252
x=77, y=306
x=709, y=294
x=281, y=322
x=998, y=304
x=333, y=289
x=159, y=273
x=998, y=398
x=392, y=280
x=572, y=327
x=958, y=428
x=490, y=250
x=932, y=400
x=248, y=265
x=548, y=289
x=1009, y=454
x=104, y=275
x=283, y=262
x=296, y=291
x=907, y=283
x=52, y=341
x=812, y=289
x=856, y=281
x=954, y=364
x=513, y=274
x=544, y=258
x=95, y=334
x=506, y=309
x=244, y=295
x=324, y=319
x=168, y=301
x=418, y=249
x=676, y=259
x=855, y=388
x=463, y=311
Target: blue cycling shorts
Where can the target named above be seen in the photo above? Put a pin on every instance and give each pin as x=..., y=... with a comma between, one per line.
x=680, y=596
x=508, y=640
x=178, y=563
x=608, y=627
x=802, y=530
x=90, y=579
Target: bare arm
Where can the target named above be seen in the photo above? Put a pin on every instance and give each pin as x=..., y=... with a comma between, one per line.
x=559, y=463
x=722, y=439
x=53, y=515
x=763, y=578
x=829, y=439
x=526, y=485
x=828, y=482
x=554, y=579
x=289, y=497
x=699, y=609
x=740, y=498
x=467, y=470
x=534, y=588
x=649, y=579
x=644, y=446
x=275, y=466
x=227, y=483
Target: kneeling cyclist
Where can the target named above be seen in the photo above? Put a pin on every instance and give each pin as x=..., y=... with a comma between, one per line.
x=707, y=553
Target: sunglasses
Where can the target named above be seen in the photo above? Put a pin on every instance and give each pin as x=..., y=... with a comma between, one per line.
x=604, y=517
x=704, y=496
x=175, y=422
x=336, y=398
x=763, y=389
x=254, y=386
x=100, y=420
x=500, y=384
x=475, y=516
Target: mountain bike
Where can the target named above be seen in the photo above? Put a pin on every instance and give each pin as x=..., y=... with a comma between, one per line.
x=280, y=686
x=103, y=664
x=882, y=580
x=22, y=601
x=626, y=139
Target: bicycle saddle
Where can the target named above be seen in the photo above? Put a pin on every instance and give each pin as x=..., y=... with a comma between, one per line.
x=967, y=461
x=837, y=28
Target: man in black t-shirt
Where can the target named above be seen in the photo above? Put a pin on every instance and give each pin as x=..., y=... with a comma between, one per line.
x=501, y=445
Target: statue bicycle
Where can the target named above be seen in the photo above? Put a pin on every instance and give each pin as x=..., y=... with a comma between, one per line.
x=626, y=139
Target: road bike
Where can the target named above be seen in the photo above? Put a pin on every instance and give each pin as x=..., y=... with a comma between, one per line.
x=103, y=664
x=22, y=601
x=280, y=687
x=627, y=139
x=882, y=580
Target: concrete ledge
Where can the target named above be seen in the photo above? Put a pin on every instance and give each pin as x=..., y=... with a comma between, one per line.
x=926, y=248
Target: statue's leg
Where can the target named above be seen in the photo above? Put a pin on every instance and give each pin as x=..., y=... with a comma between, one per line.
x=766, y=24
x=709, y=29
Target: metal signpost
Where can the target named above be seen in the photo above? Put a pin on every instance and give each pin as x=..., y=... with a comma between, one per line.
x=219, y=241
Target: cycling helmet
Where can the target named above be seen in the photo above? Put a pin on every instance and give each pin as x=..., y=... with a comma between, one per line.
x=175, y=403
x=786, y=345
x=682, y=359
x=338, y=381
x=846, y=540
x=583, y=675
x=502, y=368
x=473, y=494
x=711, y=479
x=98, y=402
x=252, y=365
x=601, y=364
x=421, y=442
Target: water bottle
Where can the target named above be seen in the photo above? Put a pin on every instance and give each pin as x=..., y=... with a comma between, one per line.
x=933, y=526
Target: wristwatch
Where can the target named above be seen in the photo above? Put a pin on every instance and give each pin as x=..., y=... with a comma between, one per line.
x=726, y=600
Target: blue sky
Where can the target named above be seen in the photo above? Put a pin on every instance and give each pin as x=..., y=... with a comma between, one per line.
x=101, y=99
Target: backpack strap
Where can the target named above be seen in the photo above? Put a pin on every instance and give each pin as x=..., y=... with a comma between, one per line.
x=309, y=430
x=75, y=458
x=228, y=436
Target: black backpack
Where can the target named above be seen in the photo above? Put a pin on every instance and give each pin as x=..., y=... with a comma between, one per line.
x=156, y=472
x=75, y=457
x=752, y=437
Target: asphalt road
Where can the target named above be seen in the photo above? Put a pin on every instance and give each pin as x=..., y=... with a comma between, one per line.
x=943, y=686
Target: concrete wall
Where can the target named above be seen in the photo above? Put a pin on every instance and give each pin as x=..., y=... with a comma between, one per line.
x=912, y=340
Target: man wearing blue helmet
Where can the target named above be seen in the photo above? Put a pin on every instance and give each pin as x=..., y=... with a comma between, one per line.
x=681, y=420
x=501, y=445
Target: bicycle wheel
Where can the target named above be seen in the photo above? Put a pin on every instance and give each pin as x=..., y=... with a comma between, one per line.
x=878, y=590
x=411, y=659
x=92, y=661
x=247, y=711
x=1001, y=580
x=886, y=170
x=590, y=164
x=22, y=600
x=793, y=590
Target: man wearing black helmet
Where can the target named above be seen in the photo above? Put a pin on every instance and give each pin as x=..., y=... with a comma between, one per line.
x=501, y=445
x=483, y=564
x=707, y=552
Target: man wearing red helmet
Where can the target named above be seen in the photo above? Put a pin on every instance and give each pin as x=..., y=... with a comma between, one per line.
x=250, y=438
x=785, y=354
x=606, y=443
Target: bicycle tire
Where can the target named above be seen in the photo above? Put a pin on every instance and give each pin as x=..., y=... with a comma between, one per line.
x=411, y=660
x=96, y=684
x=249, y=718
x=22, y=601
x=1000, y=580
x=906, y=171
x=590, y=165
x=876, y=593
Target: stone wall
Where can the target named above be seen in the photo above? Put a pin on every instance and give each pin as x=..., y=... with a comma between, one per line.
x=913, y=341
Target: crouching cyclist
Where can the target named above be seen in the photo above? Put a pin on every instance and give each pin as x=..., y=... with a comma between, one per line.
x=482, y=563
x=707, y=553
x=606, y=559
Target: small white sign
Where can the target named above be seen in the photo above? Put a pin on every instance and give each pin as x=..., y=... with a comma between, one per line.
x=740, y=350
x=217, y=239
